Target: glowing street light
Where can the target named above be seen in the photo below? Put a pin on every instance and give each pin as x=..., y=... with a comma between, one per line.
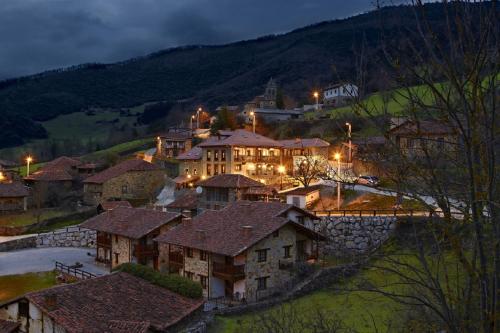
x=29, y=159
x=191, y=122
x=198, y=117
x=252, y=114
x=281, y=170
x=349, y=130
x=337, y=157
x=316, y=95
x=2, y=176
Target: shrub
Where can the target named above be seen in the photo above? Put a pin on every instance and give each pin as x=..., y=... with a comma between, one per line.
x=172, y=282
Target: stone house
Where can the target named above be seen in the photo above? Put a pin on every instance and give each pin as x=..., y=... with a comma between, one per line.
x=414, y=138
x=297, y=150
x=220, y=190
x=303, y=197
x=13, y=196
x=340, y=94
x=245, y=251
x=133, y=179
x=175, y=142
x=118, y=302
x=126, y=234
x=187, y=204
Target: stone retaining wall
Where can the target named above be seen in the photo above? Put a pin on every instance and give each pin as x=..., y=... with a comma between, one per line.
x=355, y=234
x=18, y=244
x=67, y=237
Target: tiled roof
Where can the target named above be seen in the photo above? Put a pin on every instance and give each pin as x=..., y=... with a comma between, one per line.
x=7, y=163
x=129, y=222
x=226, y=231
x=187, y=201
x=118, y=302
x=8, y=326
x=241, y=137
x=120, y=169
x=422, y=127
x=304, y=143
x=303, y=190
x=264, y=190
x=62, y=162
x=13, y=190
x=107, y=205
x=177, y=136
x=182, y=179
x=50, y=175
x=229, y=181
x=194, y=153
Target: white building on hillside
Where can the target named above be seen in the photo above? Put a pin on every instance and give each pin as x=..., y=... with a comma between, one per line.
x=339, y=94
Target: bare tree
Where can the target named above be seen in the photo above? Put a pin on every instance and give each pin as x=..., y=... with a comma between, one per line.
x=308, y=168
x=447, y=73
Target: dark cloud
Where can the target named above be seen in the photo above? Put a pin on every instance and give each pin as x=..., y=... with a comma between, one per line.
x=37, y=35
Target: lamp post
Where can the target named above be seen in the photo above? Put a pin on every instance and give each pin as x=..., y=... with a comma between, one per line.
x=29, y=159
x=337, y=157
x=252, y=114
x=349, y=129
x=191, y=122
x=198, y=117
x=316, y=95
x=2, y=177
x=281, y=170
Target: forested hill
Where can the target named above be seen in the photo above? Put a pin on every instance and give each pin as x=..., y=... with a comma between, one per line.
x=300, y=60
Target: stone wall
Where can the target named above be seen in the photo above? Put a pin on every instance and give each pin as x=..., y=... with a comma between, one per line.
x=18, y=244
x=67, y=237
x=355, y=234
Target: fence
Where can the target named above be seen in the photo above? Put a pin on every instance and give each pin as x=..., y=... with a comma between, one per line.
x=73, y=271
x=374, y=212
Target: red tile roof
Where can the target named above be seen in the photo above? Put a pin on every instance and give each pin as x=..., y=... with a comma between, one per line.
x=129, y=222
x=226, y=231
x=264, y=190
x=230, y=181
x=8, y=326
x=241, y=137
x=13, y=190
x=62, y=162
x=187, y=201
x=195, y=153
x=177, y=136
x=50, y=175
x=304, y=143
x=118, y=302
x=107, y=205
x=120, y=169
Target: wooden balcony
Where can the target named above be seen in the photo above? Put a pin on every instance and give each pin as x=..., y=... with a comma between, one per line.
x=228, y=272
x=145, y=251
x=176, y=259
x=257, y=159
x=103, y=240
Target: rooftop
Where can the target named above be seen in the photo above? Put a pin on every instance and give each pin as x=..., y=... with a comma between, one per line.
x=240, y=137
x=195, y=153
x=107, y=205
x=62, y=162
x=422, y=127
x=118, y=302
x=226, y=231
x=304, y=143
x=129, y=222
x=13, y=190
x=230, y=181
x=50, y=175
x=187, y=201
x=120, y=169
x=8, y=326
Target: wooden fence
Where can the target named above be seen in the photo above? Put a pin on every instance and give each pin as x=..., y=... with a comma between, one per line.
x=73, y=271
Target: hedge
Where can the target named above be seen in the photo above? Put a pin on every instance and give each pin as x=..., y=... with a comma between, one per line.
x=172, y=282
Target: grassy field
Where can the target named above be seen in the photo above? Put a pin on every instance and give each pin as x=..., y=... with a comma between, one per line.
x=55, y=226
x=27, y=218
x=377, y=201
x=134, y=145
x=13, y=286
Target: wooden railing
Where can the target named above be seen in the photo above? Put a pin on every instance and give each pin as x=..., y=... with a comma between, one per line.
x=74, y=271
x=145, y=250
x=176, y=258
x=373, y=212
x=103, y=240
x=229, y=270
x=265, y=159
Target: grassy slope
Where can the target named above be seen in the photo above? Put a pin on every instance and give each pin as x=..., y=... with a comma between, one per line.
x=13, y=286
x=27, y=218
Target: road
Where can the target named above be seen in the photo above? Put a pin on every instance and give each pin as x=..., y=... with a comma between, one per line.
x=43, y=259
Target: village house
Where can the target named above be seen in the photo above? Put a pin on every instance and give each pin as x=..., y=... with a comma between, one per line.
x=415, y=138
x=187, y=204
x=243, y=251
x=119, y=302
x=108, y=205
x=13, y=196
x=339, y=94
x=131, y=180
x=303, y=197
x=62, y=172
x=297, y=150
x=126, y=234
x=241, y=152
x=175, y=142
x=220, y=190
x=270, y=115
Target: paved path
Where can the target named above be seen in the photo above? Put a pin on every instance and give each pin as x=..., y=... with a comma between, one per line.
x=43, y=259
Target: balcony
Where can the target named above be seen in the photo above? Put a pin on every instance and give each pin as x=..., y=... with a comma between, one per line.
x=176, y=259
x=258, y=159
x=145, y=251
x=103, y=240
x=228, y=272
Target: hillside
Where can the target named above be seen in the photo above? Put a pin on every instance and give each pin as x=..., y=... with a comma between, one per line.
x=301, y=60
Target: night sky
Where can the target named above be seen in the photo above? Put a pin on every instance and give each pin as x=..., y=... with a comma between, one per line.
x=36, y=35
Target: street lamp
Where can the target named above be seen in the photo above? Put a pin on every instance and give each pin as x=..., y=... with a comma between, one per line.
x=29, y=159
x=337, y=157
x=191, y=122
x=349, y=129
x=252, y=114
x=198, y=117
x=2, y=177
x=281, y=170
x=316, y=95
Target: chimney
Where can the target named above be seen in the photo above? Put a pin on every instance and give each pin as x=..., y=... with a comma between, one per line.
x=186, y=219
x=200, y=234
x=51, y=301
x=247, y=230
x=297, y=140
